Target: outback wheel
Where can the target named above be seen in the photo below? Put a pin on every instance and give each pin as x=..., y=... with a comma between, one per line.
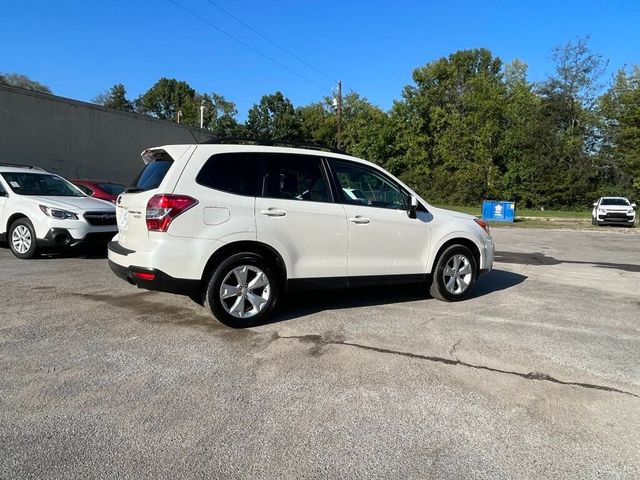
x=22, y=239
x=593, y=221
x=454, y=275
x=243, y=290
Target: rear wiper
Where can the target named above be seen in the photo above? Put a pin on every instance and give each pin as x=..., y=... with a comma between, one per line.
x=133, y=190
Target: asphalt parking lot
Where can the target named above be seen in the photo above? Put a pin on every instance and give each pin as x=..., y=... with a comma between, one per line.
x=536, y=376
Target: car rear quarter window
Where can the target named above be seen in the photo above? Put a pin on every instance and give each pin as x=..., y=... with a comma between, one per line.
x=231, y=172
x=295, y=177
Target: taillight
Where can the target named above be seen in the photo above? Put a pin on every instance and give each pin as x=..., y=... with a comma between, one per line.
x=482, y=223
x=162, y=209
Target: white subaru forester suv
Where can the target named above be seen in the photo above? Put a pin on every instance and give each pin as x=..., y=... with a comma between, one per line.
x=236, y=226
x=41, y=211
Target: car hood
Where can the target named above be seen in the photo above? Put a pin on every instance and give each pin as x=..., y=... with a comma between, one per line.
x=615, y=208
x=451, y=213
x=74, y=204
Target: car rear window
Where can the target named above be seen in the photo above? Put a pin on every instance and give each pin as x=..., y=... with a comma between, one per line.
x=112, y=188
x=152, y=174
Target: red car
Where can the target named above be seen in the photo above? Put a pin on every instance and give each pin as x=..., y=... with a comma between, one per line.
x=103, y=190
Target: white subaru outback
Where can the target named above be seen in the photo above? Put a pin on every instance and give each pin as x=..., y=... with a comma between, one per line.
x=40, y=211
x=235, y=226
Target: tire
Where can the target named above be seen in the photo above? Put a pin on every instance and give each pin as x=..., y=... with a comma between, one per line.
x=593, y=221
x=441, y=286
x=22, y=239
x=244, y=306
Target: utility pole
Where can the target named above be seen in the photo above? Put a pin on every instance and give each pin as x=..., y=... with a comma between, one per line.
x=339, y=139
x=179, y=115
x=202, y=115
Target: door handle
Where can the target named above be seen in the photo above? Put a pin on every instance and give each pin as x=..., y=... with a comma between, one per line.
x=359, y=219
x=273, y=212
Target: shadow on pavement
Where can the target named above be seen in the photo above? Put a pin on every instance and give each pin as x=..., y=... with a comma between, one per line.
x=305, y=303
x=539, y=258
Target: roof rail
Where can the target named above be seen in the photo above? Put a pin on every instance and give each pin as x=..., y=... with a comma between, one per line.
x=20, y=165
x=273, y=143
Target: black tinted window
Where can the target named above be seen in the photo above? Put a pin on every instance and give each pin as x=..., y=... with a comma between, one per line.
x=112, y=188
x=230, y=172
x=153, y=174
x=296, y=177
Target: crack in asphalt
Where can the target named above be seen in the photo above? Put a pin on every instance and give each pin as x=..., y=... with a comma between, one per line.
x=320, y=340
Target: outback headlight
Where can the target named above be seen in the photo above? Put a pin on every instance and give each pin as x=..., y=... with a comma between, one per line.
x=630, y=211
x=602, y=210
x=57, y=213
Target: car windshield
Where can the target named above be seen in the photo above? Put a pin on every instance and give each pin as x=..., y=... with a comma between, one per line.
x=46, y=184
x=615, y=201
x=112, y=188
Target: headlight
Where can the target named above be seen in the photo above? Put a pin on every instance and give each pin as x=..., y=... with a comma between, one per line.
x=630, y=211
x=57, y=213
x=602, y=210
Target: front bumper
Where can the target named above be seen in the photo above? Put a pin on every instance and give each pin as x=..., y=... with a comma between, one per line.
x=63, y=238
x=616, y=218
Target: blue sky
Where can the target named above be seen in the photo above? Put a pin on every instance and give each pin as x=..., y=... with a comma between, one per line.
x=81, y=48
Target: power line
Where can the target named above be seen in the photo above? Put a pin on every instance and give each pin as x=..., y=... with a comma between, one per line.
x=246, y=45
x=273, y=42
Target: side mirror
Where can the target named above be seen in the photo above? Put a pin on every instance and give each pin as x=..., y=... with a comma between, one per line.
x=595, y=204
x=413, y=206
x=633, y=205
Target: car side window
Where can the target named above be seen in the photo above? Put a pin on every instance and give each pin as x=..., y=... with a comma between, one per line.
x=3, y=192
x=294, y=177
x=362, y=185
x=231, y=172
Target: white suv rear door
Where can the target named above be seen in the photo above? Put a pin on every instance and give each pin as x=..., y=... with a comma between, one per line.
x=383, y=239
x=295, y=214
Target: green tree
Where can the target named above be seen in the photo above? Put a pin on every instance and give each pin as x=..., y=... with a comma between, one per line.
x=22, y=81
x=450, y=124
x=568, y=100
x=168, y=96
x=116, y=98
x=219, y=115
x=620, y=109
x=274, y=118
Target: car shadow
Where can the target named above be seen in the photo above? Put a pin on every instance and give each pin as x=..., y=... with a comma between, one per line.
x=306, y=303
x=539, y=258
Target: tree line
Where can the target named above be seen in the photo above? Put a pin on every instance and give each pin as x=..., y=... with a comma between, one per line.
x=468, y=128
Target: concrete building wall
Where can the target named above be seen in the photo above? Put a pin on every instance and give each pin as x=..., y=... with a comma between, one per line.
x=78, y=139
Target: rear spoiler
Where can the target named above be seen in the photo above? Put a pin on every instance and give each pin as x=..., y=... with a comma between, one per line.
x=168, y=152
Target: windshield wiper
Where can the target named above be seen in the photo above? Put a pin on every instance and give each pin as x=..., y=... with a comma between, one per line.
x=133, y=189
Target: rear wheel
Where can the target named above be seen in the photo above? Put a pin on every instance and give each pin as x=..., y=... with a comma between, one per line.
x=454, y=275
x=22, y=239
x=243, y=290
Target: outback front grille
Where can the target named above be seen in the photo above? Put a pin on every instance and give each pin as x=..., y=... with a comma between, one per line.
x=100, y=218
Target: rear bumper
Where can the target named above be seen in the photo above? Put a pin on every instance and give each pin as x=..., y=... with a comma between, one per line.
x=122, y=262
x=155, y=280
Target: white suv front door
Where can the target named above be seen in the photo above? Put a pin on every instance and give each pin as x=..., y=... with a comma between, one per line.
x=296, y=215
x=383, y=239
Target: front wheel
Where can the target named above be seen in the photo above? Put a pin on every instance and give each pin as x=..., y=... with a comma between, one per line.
x=454, y=275
x=22, y=239
x=243, y=290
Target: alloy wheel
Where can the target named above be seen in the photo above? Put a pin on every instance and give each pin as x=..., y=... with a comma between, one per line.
x=21, y=239
x=245, y=291
x=457, y=274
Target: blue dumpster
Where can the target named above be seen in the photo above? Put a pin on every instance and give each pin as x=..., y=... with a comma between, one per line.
x=498, y=211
